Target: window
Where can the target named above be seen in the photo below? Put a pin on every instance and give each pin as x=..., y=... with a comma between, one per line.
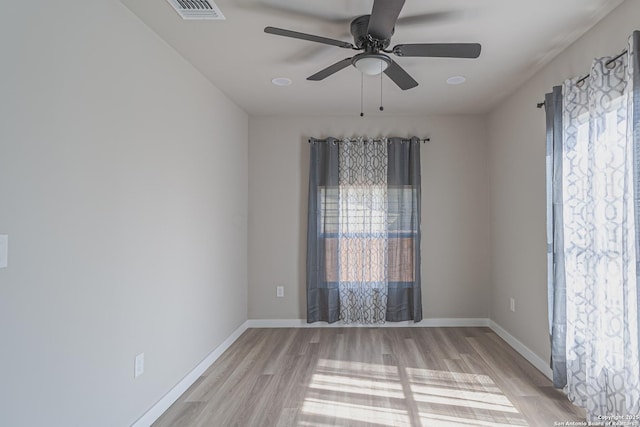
x=382, y=226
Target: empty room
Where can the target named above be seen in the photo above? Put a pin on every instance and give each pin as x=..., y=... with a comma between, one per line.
x=319, y=213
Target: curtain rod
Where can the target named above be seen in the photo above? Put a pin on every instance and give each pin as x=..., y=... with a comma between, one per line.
x=579, y=82
x=423, y=140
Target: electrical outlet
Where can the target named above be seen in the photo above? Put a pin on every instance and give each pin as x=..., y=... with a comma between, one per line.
x=280, y=291
x=138, y=366
x=512, y=304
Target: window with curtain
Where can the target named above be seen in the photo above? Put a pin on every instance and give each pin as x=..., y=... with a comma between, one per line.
x=593, y=217
x=363, y=240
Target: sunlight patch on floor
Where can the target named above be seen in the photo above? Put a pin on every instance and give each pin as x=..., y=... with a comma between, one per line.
x=359, y=367
x=477, y=382
x=386, y=395
x=343, y=384
x=460, y=400
x=354, y=412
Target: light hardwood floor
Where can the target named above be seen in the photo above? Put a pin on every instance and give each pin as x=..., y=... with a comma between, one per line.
x=371, y=377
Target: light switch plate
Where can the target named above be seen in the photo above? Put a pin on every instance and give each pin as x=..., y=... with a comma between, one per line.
x=4, y=250
x=138, y=368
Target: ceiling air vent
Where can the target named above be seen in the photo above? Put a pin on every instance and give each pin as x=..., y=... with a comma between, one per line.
x=197, y=9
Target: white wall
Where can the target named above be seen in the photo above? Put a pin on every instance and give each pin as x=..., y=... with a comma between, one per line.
x=455, y=209
x=124, y=192
x=517, y=182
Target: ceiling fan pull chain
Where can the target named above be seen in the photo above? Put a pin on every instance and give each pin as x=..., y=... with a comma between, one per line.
x=381, y=107
x=361, y=95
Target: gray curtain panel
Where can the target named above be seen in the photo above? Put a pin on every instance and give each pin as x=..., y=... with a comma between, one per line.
x=404, y=301
x=323, y=301
x=556, y=282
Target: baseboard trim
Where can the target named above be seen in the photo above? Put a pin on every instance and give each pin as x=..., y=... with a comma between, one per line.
x=524, y=351
x=425, y=323
x=172, y=395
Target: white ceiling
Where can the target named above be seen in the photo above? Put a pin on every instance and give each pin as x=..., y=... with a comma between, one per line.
x=518, y=37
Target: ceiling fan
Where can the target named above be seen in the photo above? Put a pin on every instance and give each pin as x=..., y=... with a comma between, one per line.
x=372, y=35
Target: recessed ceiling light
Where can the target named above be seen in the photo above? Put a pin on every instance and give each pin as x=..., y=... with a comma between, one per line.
x=456, y=80
x=281, y=81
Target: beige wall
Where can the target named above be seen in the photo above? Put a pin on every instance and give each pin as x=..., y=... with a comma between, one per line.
x=517, y=182
x=124, y=192
x=455, y=209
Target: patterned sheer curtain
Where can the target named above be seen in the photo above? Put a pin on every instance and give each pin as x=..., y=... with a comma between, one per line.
x=594, y=209
x=362, y=231
x=363, y=238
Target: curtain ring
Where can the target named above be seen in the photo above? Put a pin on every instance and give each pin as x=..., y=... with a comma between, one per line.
x=611, y=64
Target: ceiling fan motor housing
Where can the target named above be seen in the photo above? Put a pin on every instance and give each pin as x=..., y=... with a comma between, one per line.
x=361, y=38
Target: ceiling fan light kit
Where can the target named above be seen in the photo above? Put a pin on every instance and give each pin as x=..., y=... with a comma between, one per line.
x=371, y=64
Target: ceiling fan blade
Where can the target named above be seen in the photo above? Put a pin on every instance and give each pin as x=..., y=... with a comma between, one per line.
x=308, y=37
x=331, y=69
x=383, y=18
x=298, y=11
x=400, y=76
x=425, y=18
x=439, y=50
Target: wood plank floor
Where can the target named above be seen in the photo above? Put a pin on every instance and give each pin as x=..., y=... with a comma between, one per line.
x=371, y=377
